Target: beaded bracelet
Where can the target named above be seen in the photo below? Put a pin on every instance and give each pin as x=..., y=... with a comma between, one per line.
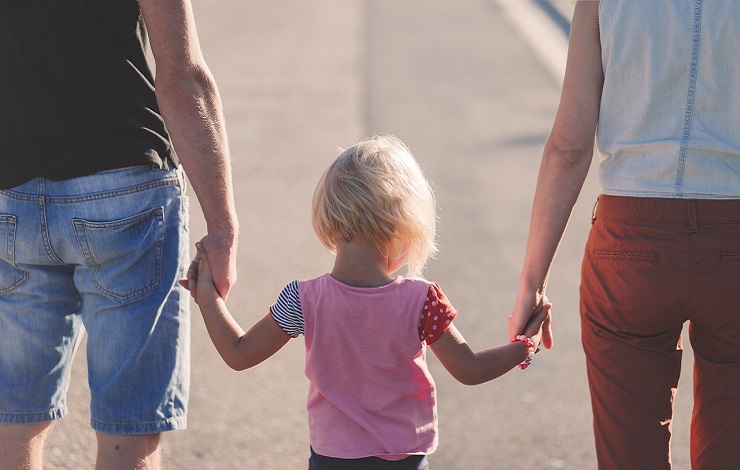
x=530, y=350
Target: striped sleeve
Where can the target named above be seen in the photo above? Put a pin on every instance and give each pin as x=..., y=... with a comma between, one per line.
x=287, y=311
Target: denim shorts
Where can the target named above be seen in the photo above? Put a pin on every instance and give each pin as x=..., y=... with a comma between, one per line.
x=102, y=254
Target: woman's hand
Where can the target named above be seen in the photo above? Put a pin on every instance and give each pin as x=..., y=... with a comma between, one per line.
x=532, y=319
x=538, y=329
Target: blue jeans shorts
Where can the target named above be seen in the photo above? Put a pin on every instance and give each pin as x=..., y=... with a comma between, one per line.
x=102, y=254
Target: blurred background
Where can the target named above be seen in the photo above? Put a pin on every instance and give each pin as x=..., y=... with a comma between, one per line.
x=471, y=87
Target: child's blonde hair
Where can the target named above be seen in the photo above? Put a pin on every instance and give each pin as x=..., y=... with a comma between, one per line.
x=376, y=192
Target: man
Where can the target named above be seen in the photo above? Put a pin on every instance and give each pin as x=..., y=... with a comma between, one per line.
x=93, y=217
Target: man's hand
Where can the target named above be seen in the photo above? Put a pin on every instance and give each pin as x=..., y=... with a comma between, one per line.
x=222, y=259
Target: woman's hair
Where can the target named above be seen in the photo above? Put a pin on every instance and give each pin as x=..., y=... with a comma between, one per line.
x=376, y=192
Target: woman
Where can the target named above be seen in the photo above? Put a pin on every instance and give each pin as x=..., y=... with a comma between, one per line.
x=661, y=81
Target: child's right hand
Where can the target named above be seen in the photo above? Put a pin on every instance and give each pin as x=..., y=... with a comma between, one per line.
x=200, y=281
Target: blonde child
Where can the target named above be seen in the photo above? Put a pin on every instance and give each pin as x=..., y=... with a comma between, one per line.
x=371, y=399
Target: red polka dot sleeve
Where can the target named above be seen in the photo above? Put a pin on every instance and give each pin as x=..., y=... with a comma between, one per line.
x=436, y=316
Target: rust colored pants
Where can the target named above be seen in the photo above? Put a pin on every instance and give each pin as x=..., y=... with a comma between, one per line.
x=650, y=265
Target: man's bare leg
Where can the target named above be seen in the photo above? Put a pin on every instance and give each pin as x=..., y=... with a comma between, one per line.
x=128, y=452
x=22, y=446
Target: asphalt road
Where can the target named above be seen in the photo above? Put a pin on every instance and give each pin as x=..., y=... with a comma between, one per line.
x=459, y=84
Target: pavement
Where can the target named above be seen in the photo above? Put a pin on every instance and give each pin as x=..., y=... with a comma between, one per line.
x=471, y=97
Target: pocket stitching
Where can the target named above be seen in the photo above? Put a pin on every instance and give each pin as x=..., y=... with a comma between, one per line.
x=627, y=255
x=727, y=255
x=81, y=227
x=10, y=221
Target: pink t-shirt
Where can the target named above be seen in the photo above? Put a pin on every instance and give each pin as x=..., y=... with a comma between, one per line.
x=370, y=393
x=436, y=316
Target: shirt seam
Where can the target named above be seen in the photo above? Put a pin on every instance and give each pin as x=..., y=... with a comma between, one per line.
x=690, y=97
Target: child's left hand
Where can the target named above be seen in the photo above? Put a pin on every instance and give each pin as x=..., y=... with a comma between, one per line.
x=539, y=323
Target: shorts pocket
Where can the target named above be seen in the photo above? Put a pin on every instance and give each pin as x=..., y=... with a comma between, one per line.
x=10, y=276
x=126, y=254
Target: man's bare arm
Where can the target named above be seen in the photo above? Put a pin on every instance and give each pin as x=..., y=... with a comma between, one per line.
x=191, y=107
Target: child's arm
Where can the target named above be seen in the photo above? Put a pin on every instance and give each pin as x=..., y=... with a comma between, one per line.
x=473, y=368
x=238, y=349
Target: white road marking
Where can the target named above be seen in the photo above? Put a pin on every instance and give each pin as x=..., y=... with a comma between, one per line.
x=544, y=36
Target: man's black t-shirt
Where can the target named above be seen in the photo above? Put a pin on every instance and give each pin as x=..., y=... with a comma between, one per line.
x=76, y=92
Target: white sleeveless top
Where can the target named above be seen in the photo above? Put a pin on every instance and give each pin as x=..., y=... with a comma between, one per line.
x=669, y=124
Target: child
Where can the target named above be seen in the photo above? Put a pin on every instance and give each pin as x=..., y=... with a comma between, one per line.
x=371, y=399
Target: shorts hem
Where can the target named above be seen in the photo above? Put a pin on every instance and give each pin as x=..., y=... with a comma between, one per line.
x=33, y=418
x=172, y=424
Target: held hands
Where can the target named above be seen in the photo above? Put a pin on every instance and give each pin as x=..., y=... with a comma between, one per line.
x=222, y=264
x=538, y=325
x=533, y=333
x=533, y=321
x=200, y=281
